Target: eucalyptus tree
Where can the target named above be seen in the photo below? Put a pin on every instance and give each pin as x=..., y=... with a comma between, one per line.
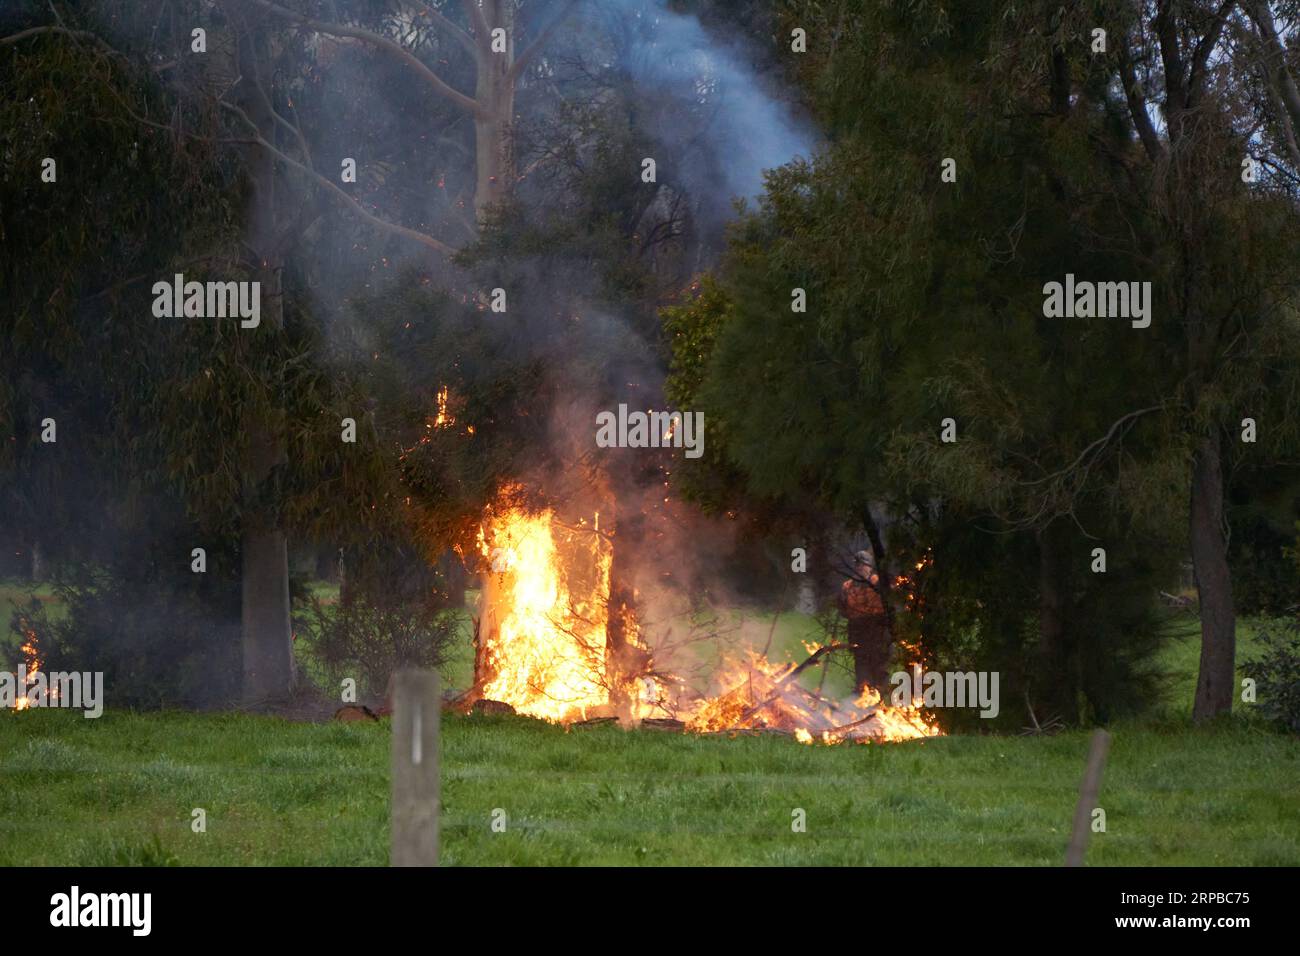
x=889, y=330
x=112, y=182
x=1210, y=94
x=359, y=138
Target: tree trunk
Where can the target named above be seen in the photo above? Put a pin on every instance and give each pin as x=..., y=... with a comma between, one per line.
x=268, y=645
x=1215, y=684
x=1058, y=694
x=38, y=561
x=267, y=638
x=268, y=641
x=348, y=562
x=327, y=563
x=1278, y=74
x=454, y=577
x=823, y=574
x=622, y=658
x=495, y=93
x=805, y=601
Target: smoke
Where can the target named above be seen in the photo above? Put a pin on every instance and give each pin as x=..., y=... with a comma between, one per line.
x=715, y=118
x=739, y=126
x=717, y=121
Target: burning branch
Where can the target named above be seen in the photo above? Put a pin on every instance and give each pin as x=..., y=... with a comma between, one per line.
x=791, y=675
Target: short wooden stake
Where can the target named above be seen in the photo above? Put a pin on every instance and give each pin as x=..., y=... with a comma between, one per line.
x=417, y=706
x=1087, y=799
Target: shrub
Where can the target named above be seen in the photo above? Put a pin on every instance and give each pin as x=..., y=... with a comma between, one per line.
x=158, y=643
x=1277, y=673
x=367, y=641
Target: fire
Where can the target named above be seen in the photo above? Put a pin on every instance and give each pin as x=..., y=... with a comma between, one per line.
x=543, y=636
x=762, y=696
x=542, y=633
x=33, y=663
x=444, y=418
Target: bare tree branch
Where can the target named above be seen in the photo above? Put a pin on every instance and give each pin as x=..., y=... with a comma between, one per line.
x=481, y=31
x=467, y=103
x=1098, y=444
x=1171, y=55
x=1201, y=56
x=297, y=133
x=381, y=224
x=457, y=32
x=64, y=31
x=1137, y=106
x=1277, y=74
x=521, y=61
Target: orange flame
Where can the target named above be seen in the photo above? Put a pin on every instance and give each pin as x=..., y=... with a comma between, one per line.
x=761, y=696
x=543, y=636
x=33, y=661
x=444, y=418
x=542, y=631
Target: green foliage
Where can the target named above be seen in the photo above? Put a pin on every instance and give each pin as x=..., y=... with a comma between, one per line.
x=161, y=638
x=925, y=302
x=208, y=388
x=157, y=195
x=77, y=290
x=368, y=642
x=144, y=403
x=155, y=415
x=423, y=347
x=1263, y=507
x=1277, y=672
x=691, y=329
x=1115, y=630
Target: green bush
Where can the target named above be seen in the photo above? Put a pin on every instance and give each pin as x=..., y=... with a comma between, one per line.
x=1277, y=673
x=367, y=641
x=158, y=642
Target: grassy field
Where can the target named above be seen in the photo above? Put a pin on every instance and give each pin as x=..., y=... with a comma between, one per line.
x=121, y=790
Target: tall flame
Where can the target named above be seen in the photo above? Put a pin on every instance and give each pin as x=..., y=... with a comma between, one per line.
x=542, y=634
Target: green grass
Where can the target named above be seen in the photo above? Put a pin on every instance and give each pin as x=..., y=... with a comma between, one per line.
x=1180, y=661
x=15, y=593
x=120, y=790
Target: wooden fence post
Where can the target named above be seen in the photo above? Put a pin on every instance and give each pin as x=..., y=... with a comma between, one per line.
x=417, y=707
x=1087, y=799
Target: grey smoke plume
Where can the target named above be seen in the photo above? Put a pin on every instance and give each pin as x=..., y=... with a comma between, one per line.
x=746, y=128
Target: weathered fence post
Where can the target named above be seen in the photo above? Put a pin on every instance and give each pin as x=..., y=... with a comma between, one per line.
x=417, y=706
x=1087, y=799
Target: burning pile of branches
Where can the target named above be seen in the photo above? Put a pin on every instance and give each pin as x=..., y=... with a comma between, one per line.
x=544, y=647
x=762, y=696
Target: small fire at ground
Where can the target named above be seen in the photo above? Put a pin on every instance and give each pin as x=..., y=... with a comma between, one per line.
x=32, y=664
